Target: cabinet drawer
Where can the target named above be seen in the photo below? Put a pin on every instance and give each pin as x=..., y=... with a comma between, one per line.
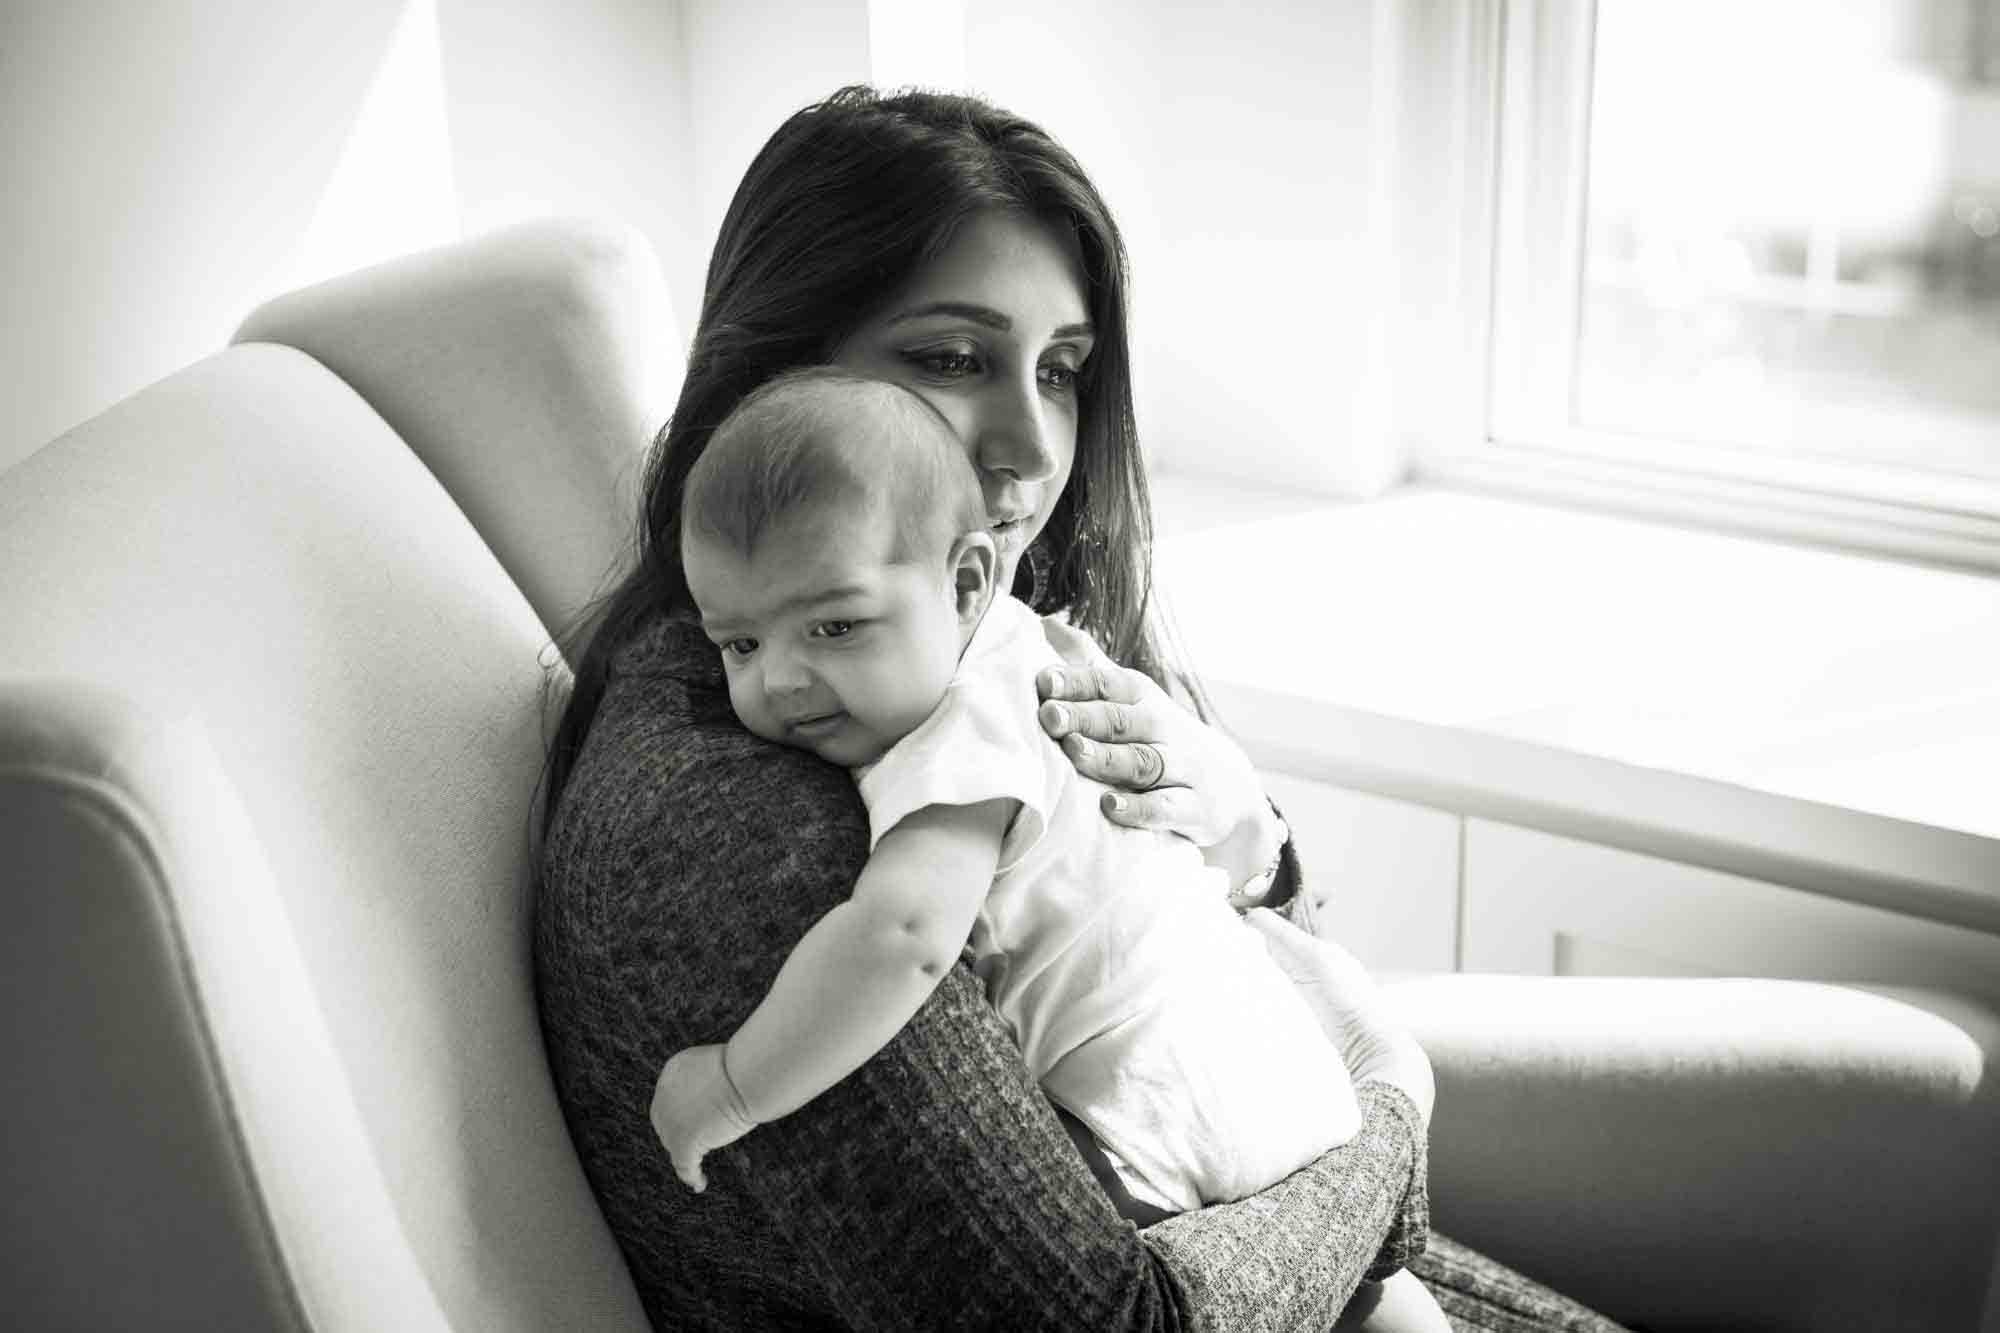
x=1543, y=904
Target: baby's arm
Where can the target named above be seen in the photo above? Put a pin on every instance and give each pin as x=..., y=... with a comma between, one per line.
x=854, y=980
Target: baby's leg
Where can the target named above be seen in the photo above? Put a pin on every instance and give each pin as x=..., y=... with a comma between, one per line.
x=1400, y=1304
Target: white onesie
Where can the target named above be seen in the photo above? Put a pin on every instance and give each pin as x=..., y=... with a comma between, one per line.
x=1140, y=1000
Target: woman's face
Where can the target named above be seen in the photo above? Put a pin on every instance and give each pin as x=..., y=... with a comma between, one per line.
x=993, y=333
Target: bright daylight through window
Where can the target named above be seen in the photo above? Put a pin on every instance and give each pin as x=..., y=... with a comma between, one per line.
x=1746, y=265
x=1792, y=229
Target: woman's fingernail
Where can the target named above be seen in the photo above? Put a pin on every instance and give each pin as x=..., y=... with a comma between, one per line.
x=1059, y=715
x=1055, y=679
x=1114, y=803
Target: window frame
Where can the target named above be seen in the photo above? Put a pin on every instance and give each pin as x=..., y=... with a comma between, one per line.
x=1515, y=75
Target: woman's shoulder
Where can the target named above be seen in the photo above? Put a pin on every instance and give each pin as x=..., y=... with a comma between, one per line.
x=666, y=763
x=667, y=645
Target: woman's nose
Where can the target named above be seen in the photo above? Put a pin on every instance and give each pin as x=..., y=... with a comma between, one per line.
x=1014, y=435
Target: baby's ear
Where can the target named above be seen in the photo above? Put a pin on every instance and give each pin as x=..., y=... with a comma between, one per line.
x=973, y=563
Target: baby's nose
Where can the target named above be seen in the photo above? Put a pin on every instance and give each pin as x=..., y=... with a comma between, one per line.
x=786, y=675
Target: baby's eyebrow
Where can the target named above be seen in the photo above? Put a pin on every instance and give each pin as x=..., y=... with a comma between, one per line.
x=816, y=596
x=725, y=626
x=717, y=624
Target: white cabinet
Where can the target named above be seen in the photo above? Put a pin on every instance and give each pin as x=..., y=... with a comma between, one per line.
x=1542, y=904
x=1413, y=888
x=1385, y=872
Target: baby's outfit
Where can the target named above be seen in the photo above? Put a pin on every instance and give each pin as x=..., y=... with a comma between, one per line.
x=1140, y=1000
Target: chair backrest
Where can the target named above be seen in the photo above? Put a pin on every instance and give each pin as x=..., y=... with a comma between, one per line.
x=528, y=369
x=270, y=723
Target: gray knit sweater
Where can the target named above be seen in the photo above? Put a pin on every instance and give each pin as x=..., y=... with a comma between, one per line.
x=934, y=1187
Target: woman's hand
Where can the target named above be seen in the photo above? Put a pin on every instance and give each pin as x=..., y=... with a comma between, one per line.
x=696, y=1110
x=1350, y=1009
x=1173, y=771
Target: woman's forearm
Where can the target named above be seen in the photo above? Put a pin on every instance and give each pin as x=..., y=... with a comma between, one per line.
x=1359, y=1211
x=980, y=1211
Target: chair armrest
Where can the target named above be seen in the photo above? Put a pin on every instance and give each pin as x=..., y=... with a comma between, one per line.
x=1720, y=1153
x=181, y=1145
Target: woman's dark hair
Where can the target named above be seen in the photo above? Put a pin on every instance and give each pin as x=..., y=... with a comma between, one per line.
x=848, y=199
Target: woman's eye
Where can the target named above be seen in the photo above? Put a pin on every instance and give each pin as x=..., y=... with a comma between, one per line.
x=834, y=629
x=948, y=363
x=738, y=647
x=1065, y=368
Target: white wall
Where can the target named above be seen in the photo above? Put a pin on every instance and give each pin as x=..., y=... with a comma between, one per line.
x=167, y=164
x=576, y=106
x=751, y=63
x=170, y=163
x=1246, y=152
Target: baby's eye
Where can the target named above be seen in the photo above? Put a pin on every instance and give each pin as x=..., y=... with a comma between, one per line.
x=834, y=629
x=741, y=647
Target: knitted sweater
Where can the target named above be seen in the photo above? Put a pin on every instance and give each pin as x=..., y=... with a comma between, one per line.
x=932, y=1188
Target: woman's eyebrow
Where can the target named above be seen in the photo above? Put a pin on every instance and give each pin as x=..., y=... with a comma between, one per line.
x=987, y=315
x=978, y=314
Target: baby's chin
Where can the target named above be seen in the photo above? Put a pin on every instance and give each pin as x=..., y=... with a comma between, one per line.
x=853, y=755
x=852, y=747
x=847, y=741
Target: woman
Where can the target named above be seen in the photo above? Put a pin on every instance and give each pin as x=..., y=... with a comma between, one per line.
x=943, y=244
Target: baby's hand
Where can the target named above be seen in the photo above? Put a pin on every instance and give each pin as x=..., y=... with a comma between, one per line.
x=696, y=1110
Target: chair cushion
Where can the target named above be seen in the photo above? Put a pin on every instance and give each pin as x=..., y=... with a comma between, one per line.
x=1785, y=1155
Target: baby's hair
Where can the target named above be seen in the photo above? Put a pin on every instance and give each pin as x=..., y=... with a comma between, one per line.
x=781, y=450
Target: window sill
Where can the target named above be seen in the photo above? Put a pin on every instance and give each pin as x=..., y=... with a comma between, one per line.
x=1930, y=519
x=1806, y=716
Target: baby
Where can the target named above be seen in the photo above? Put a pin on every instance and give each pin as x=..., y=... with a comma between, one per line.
x=835, y=541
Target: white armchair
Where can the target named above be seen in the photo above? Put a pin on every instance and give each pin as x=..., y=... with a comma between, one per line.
x=270, y=722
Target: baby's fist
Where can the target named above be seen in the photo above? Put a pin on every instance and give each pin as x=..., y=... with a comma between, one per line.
x=696, y=1110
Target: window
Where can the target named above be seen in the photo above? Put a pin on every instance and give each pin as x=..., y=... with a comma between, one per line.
x=1745, y=263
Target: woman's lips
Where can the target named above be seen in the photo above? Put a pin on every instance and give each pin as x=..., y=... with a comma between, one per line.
x=1010, y=531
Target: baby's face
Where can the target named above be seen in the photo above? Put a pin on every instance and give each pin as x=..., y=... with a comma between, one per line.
x=826, y=644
